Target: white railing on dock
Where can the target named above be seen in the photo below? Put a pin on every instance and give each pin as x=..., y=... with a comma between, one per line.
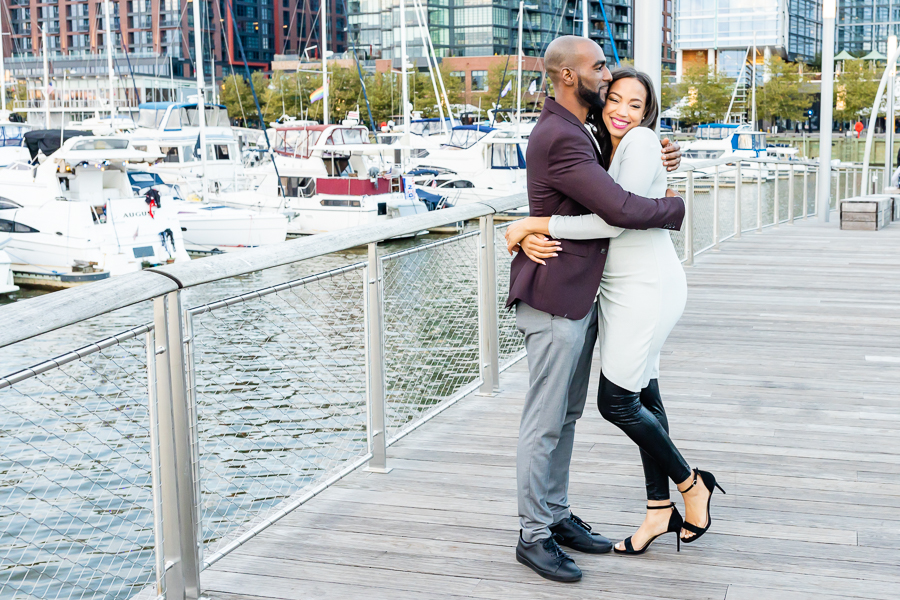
x=137, y=461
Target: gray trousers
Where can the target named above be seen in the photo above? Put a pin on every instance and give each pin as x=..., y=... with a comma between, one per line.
x=559, y=366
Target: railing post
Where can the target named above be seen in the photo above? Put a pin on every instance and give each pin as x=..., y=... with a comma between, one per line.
x=776, y=199
x=805, y=190
x=716, y=208
x=847, y=184
x=816, y=195
x=738, y=221
x=178, y=506
x=791, y=194
x=759, y=168
x=155, y=484
x=375, y=387
x=837, y=185
x=489, y=334
x=689, y=221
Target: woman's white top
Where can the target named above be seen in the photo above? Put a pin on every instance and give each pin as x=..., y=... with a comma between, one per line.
x=643, y=290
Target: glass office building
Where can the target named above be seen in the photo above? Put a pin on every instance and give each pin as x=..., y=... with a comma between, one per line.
x=864, y=25
x=485, y=28
x=789, y=28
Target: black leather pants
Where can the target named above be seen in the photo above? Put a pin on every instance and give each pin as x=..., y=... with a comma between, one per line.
x=642, y=417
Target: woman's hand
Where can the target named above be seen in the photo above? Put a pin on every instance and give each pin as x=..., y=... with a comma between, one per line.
x=517, y=230
x=537, y=247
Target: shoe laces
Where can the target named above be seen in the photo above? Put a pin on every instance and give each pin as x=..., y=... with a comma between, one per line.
x=552, y=547
x=578, y=522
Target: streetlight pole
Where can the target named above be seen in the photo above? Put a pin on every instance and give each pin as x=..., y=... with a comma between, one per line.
x=826, y=108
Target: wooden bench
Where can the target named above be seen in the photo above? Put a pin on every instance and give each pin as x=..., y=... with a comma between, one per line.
x=871, y=212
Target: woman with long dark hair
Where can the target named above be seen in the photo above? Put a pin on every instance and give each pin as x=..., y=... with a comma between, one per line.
x=642, y=295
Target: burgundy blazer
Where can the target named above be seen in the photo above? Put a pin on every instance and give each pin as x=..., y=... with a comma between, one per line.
x=565, y=178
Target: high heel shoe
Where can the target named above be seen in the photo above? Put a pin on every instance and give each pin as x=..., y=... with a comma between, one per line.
x=709, y=480
x=675, y=525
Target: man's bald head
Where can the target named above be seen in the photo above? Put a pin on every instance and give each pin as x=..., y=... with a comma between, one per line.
x=572, y=52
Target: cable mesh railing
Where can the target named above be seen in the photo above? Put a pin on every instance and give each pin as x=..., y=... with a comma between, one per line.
x=431, y=344
x=76, y=470
x=279, y=383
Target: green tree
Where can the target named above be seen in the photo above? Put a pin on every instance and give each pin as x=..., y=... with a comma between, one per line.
x=708, y=93
x=668, y=95
x=781, y=96
x=237, y=97
x=854, y=91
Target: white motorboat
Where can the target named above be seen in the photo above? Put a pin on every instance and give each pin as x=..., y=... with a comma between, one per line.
x=729, y=141
x=332, y=179
x=75, y=218
x=173, y=129
x=478, y=163
x=209, y=228
x=7, y=284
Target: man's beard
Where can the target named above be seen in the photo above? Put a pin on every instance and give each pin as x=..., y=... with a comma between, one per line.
x=595, y=100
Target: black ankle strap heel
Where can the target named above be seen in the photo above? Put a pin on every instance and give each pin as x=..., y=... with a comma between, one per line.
x=709, y=481
x=675, y=524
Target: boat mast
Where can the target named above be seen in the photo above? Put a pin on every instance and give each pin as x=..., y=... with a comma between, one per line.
x=46, y=80
x=109, y=65
x=2, y=69
x=434, y=59
x=324, y=46
x=201, y=109
x=423, y=30
x=753, y=92
x=519, y=70
x=404, y=96
x=403, y=73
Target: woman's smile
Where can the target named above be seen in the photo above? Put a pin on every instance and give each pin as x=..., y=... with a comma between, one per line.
x=619, y=123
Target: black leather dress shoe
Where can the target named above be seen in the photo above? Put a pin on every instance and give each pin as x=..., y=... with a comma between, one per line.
x=548, y=560
x=576, y=534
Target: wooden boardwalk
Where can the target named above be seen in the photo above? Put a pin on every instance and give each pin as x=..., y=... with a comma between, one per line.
x=783, y=378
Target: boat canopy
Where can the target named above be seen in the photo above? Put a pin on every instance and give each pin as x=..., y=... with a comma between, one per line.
x=426, y=127
x=749, y=140
x=299, y=141
x=49, y=141
x=716, y=131
x=12, y=134
x=176, y=115
x=104, y=149
x=466, y=136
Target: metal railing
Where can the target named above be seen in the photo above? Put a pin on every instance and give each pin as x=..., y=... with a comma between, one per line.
x=135, y=462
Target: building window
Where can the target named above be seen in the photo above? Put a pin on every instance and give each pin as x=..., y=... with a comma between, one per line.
x=460, y=75
x=479, y=81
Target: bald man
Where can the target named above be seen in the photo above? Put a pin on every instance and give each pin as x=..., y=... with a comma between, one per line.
x=555, y=303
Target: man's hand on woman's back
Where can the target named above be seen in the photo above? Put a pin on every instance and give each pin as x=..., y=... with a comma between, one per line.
x=671, y=154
